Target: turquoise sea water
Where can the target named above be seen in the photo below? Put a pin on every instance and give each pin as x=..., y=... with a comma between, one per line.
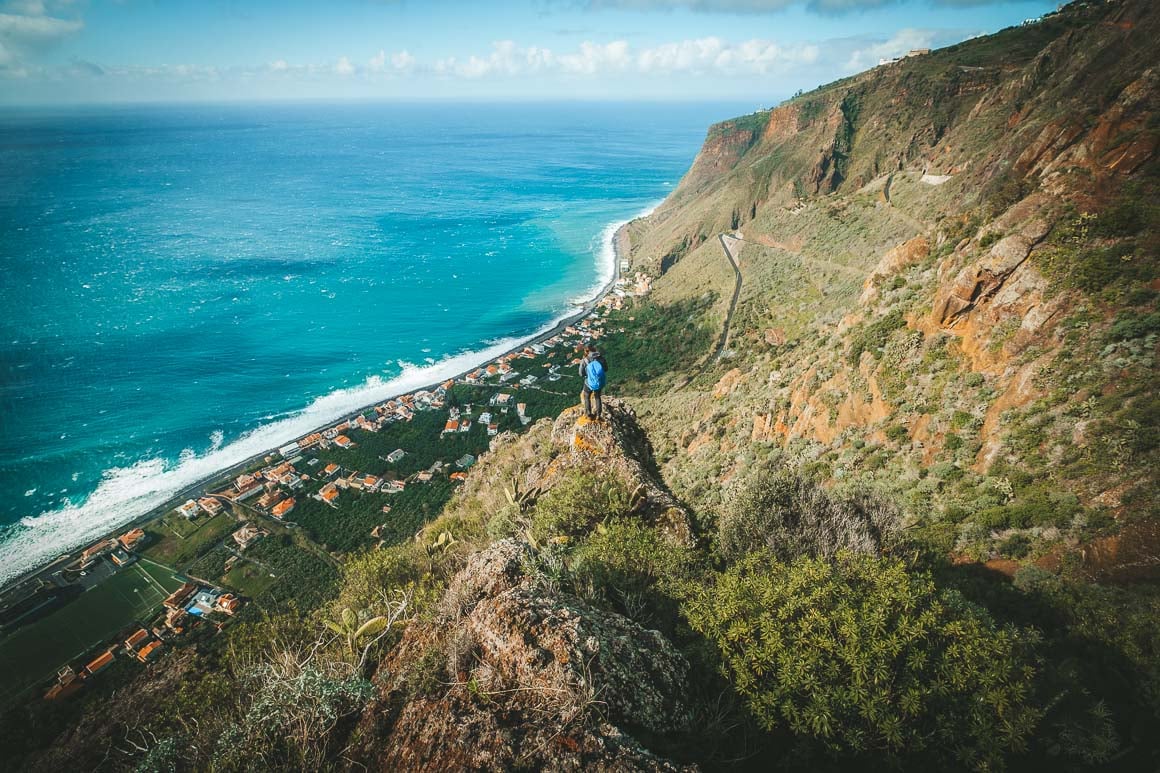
x=183, y=287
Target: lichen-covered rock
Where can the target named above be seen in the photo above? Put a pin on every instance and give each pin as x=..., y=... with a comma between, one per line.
x=618, y=446
x=522, y=675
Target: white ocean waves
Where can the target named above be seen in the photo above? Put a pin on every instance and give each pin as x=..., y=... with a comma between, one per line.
x=128, y=492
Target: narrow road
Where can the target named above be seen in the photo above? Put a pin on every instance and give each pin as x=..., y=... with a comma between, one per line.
x=723, y=341
x=725, y=239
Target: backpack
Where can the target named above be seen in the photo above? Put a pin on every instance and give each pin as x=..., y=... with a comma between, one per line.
x=595, y=373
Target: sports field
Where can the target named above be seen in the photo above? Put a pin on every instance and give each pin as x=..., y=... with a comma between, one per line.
x=34, y=652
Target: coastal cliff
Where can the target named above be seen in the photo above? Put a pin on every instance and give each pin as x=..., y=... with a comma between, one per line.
x=875, y=486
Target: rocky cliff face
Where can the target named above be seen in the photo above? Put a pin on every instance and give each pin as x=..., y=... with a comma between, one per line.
x=934, y=254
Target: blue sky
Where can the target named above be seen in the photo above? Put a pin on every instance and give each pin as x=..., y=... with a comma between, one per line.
x=76, y=51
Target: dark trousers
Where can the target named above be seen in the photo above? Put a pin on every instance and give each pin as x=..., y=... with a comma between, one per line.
x=585, y=395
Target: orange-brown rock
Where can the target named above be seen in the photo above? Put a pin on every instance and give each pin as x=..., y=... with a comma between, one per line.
x=897, y=258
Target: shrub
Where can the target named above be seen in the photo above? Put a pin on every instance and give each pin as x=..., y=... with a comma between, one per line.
x=1036, y=506
x=626, y=564
x=872, y=337
x=1131, y=324
x=791, y=516
x=861, y=656
x=1016, y=546
x=946, y=471
x=576, y=503
x=897, y=433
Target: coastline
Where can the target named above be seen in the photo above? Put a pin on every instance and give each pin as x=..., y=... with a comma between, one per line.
x=154, y=513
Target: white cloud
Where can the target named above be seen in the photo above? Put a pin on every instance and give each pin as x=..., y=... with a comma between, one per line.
x=593, y=58
x=36, y=30
x=402, y=61
x=506, y=58
x=399, y=62
x=26, y=30
x=343, y=67
x=699, y=56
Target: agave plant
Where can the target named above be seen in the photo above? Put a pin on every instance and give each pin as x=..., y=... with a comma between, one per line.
x=522, y=500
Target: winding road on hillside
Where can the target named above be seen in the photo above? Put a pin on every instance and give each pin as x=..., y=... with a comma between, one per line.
x=723, y=341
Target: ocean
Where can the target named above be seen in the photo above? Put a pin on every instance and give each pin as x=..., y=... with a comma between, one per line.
x=186, y=286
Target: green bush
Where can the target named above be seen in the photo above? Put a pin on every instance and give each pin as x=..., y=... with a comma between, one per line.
x=861, y=656
x=1131, y=324
x=780, y=511
x=1016, y=546
x=1035, y=506
x=872, y=337
x=578, y=502
x=627, y=565
x=897, y=433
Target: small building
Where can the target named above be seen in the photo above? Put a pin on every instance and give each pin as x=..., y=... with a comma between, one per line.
x=66, y=676
x=189, y=510
x=122, y=557
x=131, y=538
x=177, y=599
x=94, y=551
x=459, y=476
x=247, y=535
x=328, y=493
x=492, y=429
x=228, y=603
x=330, y=470
x=342, y=441
x=270, y=498
x=396, y=455
x=136, y=640
x=424, y=476
x=149, y=651
x=451, y=426
x=99, y=663
x=465, y=461
x=290, y=449
x=282, y=508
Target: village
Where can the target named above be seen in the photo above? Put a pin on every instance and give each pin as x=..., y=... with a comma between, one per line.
x=314, y=471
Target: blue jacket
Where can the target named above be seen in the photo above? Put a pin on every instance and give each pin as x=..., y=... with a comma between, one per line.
x=588, y=382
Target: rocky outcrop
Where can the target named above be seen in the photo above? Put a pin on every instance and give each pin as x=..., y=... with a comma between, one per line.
x=514, y=674
x=980, y=281
x=618, y=446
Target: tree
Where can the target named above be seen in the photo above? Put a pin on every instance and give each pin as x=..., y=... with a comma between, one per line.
x=860, y=655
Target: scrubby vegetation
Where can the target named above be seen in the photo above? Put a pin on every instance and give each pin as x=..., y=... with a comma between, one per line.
x=858, y=655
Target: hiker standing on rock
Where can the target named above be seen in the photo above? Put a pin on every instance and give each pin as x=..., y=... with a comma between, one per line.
x=593, y=370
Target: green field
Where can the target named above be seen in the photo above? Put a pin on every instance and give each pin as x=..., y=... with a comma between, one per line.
x=175, y=541
x=248, y=579
x=32, y=653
